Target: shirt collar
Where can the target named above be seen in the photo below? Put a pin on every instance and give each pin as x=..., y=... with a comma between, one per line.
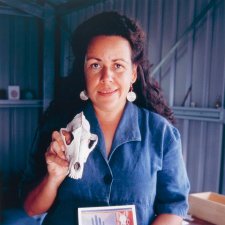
x=128, y=129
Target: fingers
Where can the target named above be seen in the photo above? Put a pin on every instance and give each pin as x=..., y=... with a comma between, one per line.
x=57, y=137
x=53, y=158
x=57, y=146
x=68, y=136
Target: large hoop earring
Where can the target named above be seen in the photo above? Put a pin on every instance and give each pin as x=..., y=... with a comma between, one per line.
x=83, y=95
x=131, y=96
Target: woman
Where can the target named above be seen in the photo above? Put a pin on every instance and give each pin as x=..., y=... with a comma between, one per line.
x=138, y=158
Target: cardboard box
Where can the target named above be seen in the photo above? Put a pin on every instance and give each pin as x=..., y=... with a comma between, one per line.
x=208, y=206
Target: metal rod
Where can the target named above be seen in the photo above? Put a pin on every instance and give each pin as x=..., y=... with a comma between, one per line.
x=198, y=18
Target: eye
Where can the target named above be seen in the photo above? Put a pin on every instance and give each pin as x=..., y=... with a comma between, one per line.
x=118, y=66
x=95, y=66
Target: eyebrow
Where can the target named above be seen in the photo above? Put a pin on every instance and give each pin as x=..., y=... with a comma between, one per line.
x=90, y=58
x=114, y=60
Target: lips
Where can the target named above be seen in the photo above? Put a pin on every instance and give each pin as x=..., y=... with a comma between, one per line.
x=107, y=92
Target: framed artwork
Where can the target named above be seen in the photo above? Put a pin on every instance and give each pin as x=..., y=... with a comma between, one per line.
x=13, y=92
x=109, y=215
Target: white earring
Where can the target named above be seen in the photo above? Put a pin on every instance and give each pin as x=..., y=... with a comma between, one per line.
x=83, y=95
x=131, y=96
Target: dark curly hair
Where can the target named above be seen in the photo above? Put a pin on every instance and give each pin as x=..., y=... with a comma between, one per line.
x=149, y=94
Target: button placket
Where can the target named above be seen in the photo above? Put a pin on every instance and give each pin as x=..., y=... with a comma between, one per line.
x=107, y=179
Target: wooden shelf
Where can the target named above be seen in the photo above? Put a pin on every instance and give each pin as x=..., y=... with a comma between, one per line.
x=204, y=114
x=21, y=103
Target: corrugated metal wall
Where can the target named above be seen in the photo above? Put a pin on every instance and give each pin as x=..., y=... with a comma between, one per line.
x=19, y=52
x=198, y=62
x=19, y=65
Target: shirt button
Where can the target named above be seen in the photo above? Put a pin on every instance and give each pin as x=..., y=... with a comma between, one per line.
x=108, y=179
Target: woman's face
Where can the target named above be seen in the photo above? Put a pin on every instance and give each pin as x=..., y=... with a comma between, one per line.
x=109, y=72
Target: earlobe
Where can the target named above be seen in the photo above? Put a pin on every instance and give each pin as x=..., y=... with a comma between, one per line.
x=134, y=78
x=134, y=75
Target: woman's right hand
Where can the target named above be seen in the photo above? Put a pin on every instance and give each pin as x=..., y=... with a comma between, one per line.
x=41, y=198
x=57, y=164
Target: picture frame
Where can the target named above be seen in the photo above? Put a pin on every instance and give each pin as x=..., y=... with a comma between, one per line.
x=14, y=92
x=109, y=215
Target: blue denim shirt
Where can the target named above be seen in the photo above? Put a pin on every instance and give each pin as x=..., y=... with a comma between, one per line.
x=144, y=168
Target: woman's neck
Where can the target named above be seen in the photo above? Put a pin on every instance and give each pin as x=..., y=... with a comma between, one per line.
x=109, y=121
x=109, y=117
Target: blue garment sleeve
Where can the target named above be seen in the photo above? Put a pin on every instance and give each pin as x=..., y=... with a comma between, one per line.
x=172, y=181
x=36, y=167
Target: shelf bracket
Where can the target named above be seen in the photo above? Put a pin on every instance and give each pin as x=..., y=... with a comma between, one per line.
x=202, y=114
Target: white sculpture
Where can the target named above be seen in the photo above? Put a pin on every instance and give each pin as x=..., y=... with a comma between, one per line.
x=80, y=147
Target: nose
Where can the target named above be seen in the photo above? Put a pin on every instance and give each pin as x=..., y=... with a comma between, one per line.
x=107, y=75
